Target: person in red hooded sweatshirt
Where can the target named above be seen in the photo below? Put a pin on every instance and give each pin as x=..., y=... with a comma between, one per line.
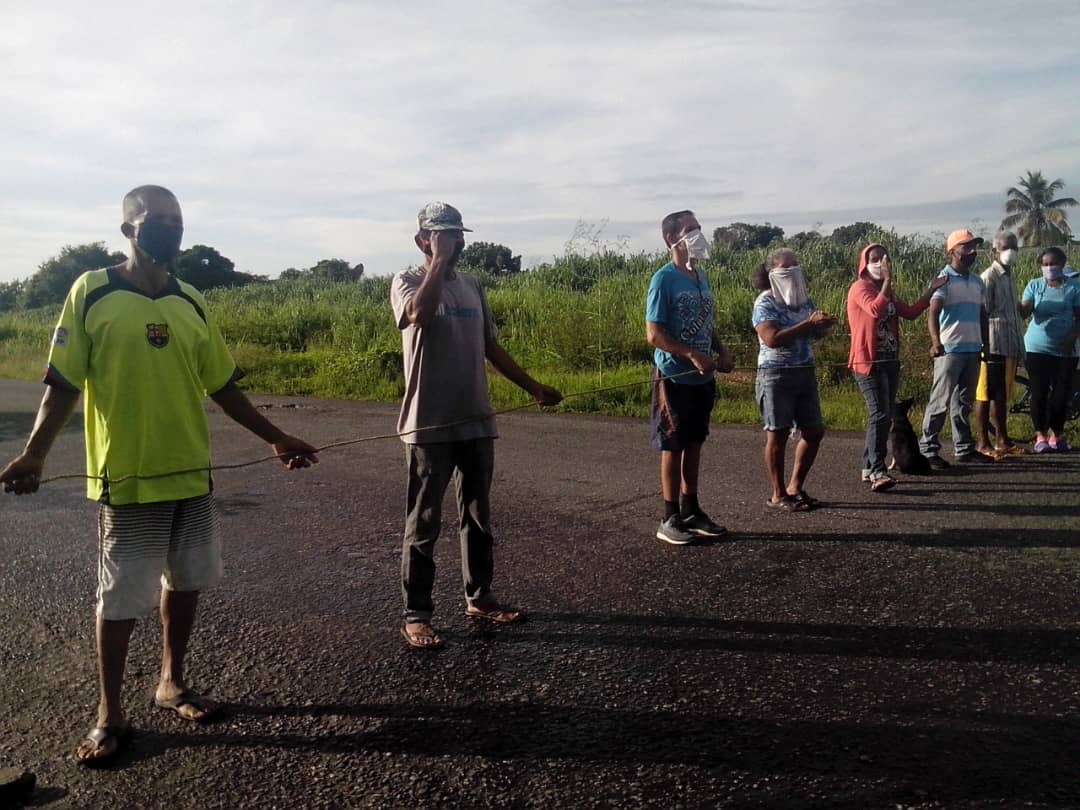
x=873, y=310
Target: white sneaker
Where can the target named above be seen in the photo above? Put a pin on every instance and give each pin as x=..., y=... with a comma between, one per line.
x=866, y=476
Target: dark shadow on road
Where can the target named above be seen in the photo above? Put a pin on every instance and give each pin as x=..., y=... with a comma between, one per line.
x=985, y=507
x=44, y=796
x=981, y=757
x=1032, y=645
x=943, y=538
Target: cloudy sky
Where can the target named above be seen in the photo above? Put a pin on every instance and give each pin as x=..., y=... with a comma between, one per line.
x=297, y=131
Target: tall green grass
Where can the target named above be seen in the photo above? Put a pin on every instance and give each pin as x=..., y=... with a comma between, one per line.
x=576, y=323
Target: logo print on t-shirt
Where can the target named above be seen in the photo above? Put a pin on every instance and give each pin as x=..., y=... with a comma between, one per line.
x=694, y=311
x=157, y=335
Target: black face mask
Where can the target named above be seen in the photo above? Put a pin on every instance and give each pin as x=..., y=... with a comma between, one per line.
x=967, y=260
x=160, y=240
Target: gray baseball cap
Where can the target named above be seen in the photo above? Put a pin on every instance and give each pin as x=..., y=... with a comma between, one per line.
x=439, y=216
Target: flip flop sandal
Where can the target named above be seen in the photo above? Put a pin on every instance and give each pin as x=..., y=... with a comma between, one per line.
x=786, y=504
x=806, y=502
x=189, y=698
x=99, y=736
x=495, y=613
x=423, y=641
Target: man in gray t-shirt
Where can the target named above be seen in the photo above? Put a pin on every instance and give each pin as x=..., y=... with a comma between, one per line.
x=446, y=335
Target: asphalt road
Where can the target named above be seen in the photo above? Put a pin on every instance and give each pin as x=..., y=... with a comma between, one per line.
x=916, y=648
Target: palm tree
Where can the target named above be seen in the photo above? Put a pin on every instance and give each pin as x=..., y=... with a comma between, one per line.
x=1036, y=216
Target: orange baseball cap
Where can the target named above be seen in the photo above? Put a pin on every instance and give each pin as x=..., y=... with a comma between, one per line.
x=961, y=237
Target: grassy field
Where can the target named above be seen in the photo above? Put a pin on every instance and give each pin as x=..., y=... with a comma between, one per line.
x=576, y=323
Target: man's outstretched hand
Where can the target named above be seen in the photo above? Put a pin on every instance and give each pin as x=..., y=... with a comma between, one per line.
x=295, y=453
x=546, y=395
x=23, y=475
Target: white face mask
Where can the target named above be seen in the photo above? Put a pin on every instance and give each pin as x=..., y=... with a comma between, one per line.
x=789, y=286
x=697, y=245
x=1007, y=257
x=874, y=269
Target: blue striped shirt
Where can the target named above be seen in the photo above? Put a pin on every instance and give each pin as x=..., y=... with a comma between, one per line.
x=963, y=299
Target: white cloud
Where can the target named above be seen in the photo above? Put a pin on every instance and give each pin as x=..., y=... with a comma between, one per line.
x=293, y=132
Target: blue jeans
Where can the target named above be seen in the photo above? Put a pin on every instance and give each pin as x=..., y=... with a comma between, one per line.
x=879, y=389
x=955, y=377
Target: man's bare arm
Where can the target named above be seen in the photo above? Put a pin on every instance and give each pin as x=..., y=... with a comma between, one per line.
x=421, y=308
x=294, y=452
x=22, y=475
x=503, y=363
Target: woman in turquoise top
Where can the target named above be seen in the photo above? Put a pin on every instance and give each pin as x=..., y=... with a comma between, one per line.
x=1053, y=302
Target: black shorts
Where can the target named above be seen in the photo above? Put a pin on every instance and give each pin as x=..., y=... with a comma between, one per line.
x=680, y=412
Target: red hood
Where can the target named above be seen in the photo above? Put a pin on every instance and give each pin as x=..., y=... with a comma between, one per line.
x=863, y=257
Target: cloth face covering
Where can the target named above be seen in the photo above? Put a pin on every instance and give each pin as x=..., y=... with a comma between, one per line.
x=789, y=286
x=696, y=244
x=160, y=240
x=1053, y=272
x=1007, y=257
x=874, y=269
x=967, y=260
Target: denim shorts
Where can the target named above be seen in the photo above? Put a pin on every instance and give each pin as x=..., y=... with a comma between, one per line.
x=788, y=397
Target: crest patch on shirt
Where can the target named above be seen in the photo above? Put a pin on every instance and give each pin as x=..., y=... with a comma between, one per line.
x=157, y=335
x=60, y=336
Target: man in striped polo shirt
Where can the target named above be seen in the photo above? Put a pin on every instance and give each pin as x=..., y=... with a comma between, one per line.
x=958, y=338
x=146, y=351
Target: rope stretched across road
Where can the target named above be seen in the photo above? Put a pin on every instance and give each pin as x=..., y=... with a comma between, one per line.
x=346, y=442
x=397, y=435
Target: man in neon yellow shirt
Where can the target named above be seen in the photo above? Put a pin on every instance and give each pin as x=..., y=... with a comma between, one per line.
x=146, y=351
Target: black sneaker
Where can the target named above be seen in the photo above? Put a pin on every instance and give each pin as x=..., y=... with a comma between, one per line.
x=974, y=457
x=702, y=525
x=672, y=531
x=938, y=463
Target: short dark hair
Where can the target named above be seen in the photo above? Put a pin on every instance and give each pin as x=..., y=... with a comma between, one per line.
x=759, y=277
x=1057, y=253
x=669, y=226
x=135, y=200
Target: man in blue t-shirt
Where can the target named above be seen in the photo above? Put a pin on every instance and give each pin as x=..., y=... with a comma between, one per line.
x=678, y=324
x=959, y=336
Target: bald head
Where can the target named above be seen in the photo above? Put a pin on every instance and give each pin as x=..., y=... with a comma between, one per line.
x=153, y=223
x=149, y=200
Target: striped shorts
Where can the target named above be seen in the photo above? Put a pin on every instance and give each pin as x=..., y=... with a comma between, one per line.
x=175, y=543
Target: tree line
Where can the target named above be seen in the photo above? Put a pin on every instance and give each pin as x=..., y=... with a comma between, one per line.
x=1033, y=210
x=205, y=268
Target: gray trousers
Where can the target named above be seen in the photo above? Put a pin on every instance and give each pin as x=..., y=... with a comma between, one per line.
x=955, y=377
x=431, y=466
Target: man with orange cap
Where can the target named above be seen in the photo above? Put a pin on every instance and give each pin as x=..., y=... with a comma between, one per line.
x=958, y=339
